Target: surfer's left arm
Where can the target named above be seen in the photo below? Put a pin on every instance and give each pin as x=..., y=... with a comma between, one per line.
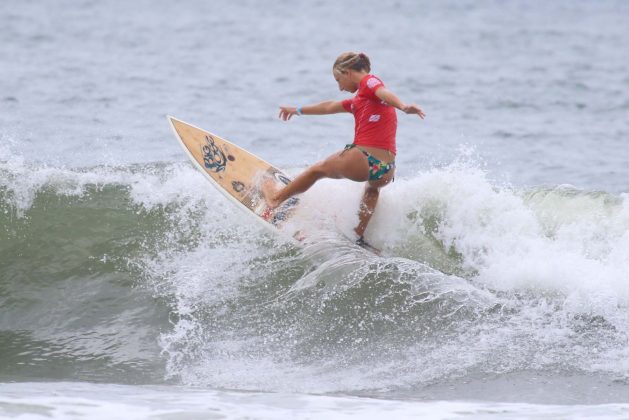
x=392, y=99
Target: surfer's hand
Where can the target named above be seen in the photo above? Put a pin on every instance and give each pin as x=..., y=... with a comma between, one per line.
x=286, y=112
x=414, y=109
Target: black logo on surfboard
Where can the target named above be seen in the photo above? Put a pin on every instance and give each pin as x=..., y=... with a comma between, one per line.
x=213, y=157
x=238, y=186
x=282, y=178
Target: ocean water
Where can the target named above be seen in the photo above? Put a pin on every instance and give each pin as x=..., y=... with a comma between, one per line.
x=130, y=288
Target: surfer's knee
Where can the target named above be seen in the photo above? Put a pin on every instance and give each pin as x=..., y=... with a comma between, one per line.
x=370, y=198
x=317, y=170
x=323, y=169
x=370, y=190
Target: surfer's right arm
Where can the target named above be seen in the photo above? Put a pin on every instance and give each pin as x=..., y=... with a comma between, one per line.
x=326, y=107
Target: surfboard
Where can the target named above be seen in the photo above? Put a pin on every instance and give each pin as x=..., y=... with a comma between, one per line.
x=234, y=171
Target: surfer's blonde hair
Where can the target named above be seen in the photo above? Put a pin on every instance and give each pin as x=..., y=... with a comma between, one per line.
x=351, y=61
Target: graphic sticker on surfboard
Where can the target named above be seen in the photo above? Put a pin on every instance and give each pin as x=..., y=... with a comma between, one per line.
x=233, y=170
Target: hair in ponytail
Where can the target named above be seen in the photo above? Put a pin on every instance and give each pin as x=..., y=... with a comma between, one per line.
x=351, y=61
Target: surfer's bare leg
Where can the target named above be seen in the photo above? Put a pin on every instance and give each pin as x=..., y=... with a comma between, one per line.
x=369, y=201
x=367, y=207
x=350, y=164
x=302, y=183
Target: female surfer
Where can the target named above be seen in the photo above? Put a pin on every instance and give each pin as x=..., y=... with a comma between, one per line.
x=371, y=157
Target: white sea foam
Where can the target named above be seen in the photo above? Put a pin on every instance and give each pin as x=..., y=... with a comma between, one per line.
x=92, y=401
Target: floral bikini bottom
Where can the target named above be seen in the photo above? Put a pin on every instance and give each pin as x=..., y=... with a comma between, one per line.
x=377, y=168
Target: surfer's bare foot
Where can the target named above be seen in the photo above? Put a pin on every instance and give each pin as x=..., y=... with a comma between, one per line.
x=269, y=192
x=359, y=232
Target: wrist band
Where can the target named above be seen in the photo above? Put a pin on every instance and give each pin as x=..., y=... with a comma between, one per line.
x=299, y=111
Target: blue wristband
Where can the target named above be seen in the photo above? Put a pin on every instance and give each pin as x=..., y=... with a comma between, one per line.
x=299, y=111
